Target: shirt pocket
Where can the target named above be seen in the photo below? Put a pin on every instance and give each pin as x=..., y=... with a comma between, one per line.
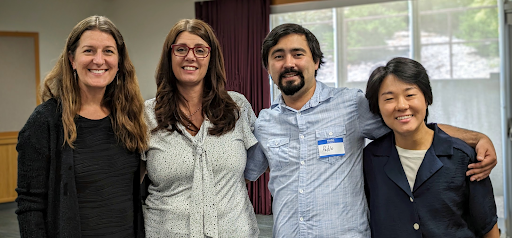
x=325, y=134
x=279, y=156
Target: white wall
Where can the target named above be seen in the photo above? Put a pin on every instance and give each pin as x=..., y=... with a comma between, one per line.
x=144, y=25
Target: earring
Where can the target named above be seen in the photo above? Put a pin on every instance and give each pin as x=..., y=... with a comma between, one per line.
x=117, y=79
x=74, y=74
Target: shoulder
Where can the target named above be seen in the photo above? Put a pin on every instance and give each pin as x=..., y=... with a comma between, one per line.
x=150, y=103
x=239, y=98
x=459, y=146
x=379, y=143
x=46, y=112
x=149, y=113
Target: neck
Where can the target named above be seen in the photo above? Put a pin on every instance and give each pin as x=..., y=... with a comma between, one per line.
x=91, y=104
x=420, y=139
x=300, y=98
x=193, y=96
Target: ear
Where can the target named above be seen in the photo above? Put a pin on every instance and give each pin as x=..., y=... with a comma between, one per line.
x=71, y=60
x=317, y=64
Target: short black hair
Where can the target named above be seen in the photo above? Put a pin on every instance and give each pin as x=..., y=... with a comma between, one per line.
x=286, y=29
x=404, y=69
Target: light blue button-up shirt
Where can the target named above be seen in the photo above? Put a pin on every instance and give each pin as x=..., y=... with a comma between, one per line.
x=316, y=196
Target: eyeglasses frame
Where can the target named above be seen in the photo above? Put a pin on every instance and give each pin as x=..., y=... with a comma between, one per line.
x=193, y=52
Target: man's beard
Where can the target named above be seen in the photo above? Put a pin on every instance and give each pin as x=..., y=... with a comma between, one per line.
x=291, y=87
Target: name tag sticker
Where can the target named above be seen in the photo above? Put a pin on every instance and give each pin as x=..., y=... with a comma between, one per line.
x=331, y=147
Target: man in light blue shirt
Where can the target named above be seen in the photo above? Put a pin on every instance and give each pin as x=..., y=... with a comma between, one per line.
x=312, y=139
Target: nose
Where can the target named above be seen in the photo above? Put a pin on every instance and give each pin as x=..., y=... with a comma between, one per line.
x=190, y=55
x=289, y=62
x=402, y=104
x=98, y=59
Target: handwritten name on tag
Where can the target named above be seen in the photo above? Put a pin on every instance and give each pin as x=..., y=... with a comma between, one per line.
x=331, y=147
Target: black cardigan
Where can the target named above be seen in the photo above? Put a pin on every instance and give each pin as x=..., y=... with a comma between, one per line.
x=47, y=196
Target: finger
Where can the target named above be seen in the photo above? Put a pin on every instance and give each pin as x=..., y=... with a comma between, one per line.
x=480, y=154
x=478, y=177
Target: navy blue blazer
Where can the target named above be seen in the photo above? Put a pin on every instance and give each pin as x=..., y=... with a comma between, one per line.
x=443, y=202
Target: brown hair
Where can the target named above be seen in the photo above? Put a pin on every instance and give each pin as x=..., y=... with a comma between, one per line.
x=217, y=105
x=123, y=97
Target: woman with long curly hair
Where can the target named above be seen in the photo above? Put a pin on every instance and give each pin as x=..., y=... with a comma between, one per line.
x=199, y=137
x=78, y=153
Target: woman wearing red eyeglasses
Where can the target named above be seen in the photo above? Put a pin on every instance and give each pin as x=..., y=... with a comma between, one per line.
x=199, y=137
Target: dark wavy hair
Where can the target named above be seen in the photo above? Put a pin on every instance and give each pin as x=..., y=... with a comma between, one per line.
x=406, y=70
x=217, y=105
x=286, y=29
x=122, y=96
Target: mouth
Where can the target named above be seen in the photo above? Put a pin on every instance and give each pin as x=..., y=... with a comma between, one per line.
x=98, y=71
x=189, y=68
x=289, y=75
x=404, y=117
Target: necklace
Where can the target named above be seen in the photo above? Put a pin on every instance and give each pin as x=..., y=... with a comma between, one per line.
x=189, y=117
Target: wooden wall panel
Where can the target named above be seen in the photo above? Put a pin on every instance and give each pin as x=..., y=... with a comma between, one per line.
x=8, y=166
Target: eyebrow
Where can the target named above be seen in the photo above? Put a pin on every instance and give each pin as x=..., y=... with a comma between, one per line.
x=108, y=46
x=407, y=89
x=280, y=50
x=198, y=44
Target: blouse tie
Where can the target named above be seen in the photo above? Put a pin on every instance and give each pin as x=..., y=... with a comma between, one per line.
x=203, y=209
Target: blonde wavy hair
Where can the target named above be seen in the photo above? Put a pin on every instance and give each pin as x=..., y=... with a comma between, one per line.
x=123, y=97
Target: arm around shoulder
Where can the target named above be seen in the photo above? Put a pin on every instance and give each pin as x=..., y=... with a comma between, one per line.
x=486, y=153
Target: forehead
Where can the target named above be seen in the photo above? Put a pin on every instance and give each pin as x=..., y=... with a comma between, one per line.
x=290, y=42
x=392, y=83
x=97, y=38
x=190, y=39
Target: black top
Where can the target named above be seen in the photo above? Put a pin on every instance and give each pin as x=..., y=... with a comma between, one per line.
x=47, y=195
x=104, y=172
x=443, y=202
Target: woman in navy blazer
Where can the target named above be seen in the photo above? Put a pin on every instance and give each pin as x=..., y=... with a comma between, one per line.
x=415, y=176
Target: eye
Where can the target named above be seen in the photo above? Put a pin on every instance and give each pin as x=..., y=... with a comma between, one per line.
x=87, y=51
x=180, y=49
x=200, y=50
x=388, y=99
x=109, y=51
x=278, y=57
x=411, y=95
x=299, y=54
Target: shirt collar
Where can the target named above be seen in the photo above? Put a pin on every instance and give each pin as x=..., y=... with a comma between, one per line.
x=322, y=93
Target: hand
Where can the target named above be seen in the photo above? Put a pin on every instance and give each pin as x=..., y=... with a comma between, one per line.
x=486, y=155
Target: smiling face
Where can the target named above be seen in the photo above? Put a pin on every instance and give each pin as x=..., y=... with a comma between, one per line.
x=402, y=106
x=189, y=70
x=95, y=60
x=291, y=65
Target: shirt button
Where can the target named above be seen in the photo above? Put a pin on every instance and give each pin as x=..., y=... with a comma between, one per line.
x=302, y=162
x=416, y=226
x=301, y=136
x=301, y=219
x=298, y=113
x=411, y=199
x=276, y=143
x=330, y=133
x=301, y=191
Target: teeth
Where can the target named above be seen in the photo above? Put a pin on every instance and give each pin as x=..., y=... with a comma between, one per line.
x=189, y=68
x=97, y=71
x=403, y=117
x=290, y=74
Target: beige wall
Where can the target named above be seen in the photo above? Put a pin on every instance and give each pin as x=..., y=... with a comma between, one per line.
x=144, y=25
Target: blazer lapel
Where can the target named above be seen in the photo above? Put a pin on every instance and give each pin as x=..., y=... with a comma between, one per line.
x=430, y=165
x=395, y=172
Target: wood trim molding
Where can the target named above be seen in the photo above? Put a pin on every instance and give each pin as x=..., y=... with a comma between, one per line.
x=7, y=138
x=34, y=35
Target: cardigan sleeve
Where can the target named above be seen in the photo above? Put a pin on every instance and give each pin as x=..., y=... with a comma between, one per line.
x=33, y=171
